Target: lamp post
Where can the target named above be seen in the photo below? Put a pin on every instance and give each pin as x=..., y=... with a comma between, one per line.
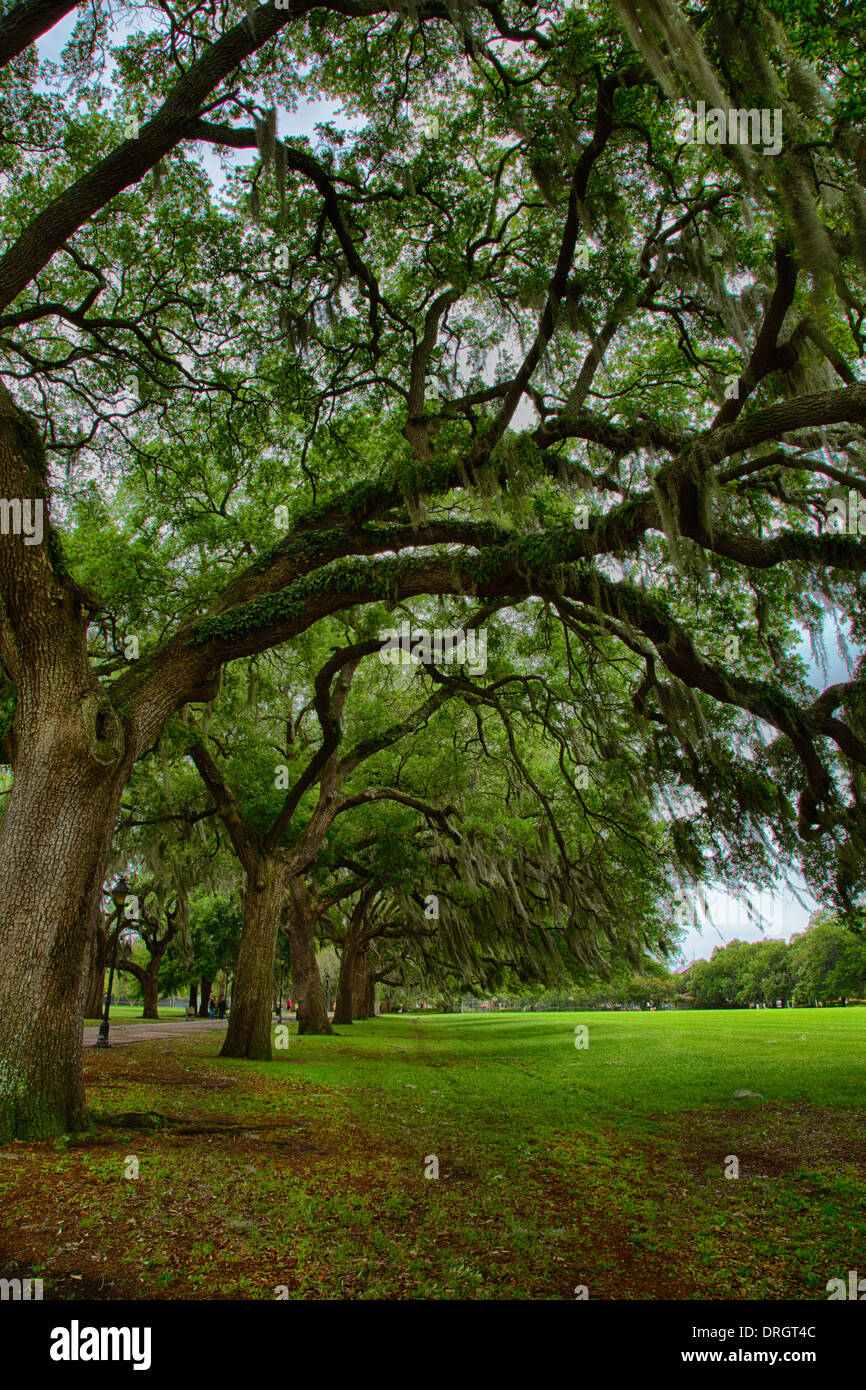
x=119, y=895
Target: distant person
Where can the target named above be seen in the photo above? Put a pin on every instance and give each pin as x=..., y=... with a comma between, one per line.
x=288, y=1006
x=222, y=1007
x=211, y=1008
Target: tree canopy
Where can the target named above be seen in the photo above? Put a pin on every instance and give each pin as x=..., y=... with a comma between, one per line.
x=522, y=330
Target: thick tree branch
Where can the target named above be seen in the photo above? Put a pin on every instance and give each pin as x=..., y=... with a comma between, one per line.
x=131, y=160
x=24, y=23
x=227, y=808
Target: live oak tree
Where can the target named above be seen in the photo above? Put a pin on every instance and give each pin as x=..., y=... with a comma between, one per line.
x=509, y=756
x=355, y=997
x=157, y=924
x=538, y=350
x=177, y=868
x=372, y=739
x=277, y=846
x=205, y=960
x=547, y=867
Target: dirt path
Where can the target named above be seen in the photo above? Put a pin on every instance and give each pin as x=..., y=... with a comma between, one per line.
x=141, y=1032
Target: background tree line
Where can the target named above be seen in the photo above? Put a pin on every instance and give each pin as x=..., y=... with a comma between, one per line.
x=826, y=964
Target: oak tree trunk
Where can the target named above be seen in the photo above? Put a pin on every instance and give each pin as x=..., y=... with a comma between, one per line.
x=95, y=997
x=54, y=839
x=343, y=1007
x=360, y=987
x=148, y=979
x=150, y=993
x=249, y=1030
x=205, y=998
x=309, y=995
x=68, y=752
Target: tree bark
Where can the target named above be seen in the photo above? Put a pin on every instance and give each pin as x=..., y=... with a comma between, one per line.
x=204, y=998
x=52, y=840
x=249, y=1030
x=361, y=984
x=370, y=1001
x=68, y=751
x=148, y=978
x=150, y=993
x=95, y=998
x=344, y=1005
x=193, y=997
x=308, y=992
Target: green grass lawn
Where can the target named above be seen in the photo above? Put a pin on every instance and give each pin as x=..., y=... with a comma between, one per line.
x=131, y=1013
x=558, y=1167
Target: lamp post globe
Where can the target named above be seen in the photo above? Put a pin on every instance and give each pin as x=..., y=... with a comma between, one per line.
x=119, y=893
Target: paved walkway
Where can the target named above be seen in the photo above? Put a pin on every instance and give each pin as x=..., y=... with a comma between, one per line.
x=140, y=1032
